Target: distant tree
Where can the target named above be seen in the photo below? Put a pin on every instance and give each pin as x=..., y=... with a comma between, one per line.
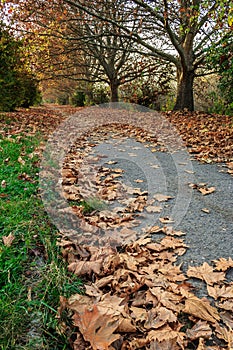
x=179, y=32
x=109, y=34
x=74, y=44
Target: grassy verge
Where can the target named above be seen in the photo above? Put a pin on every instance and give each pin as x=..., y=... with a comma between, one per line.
x=32, y=273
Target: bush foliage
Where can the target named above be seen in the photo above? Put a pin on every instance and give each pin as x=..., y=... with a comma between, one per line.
x=18, y=86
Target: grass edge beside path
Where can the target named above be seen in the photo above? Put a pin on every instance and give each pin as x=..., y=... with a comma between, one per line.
x=32, y=272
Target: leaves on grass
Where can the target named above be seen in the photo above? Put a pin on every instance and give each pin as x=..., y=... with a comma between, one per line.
x=8, y=240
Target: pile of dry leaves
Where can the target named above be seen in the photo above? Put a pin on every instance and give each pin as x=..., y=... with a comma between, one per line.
x=208, y=136
x=136, y=297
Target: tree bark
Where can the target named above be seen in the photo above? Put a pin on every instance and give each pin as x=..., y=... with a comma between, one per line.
x=114, y=91
x=184, y=97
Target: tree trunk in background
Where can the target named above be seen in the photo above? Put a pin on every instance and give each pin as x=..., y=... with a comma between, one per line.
x=114, y=91
x=184, y=97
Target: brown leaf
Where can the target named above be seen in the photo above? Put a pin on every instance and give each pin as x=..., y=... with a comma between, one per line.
x=21, y=160
x=205, y=190
x=227, y=318
x=139, y=313
x=226, y=305
x=223, y=264
x=126, y=326
x=81, y=268
x=200, y=330
x=166, y=333
x=138, y=181
x=166, y=220
x=205, y=272
x=161, y=197
x=169, y=344
x=158, y=317
x=225, y=334
x=8, y=240
x=96, y=328
x=224, y=291
x=205, y=210
x=153, y=209
x=201, y=309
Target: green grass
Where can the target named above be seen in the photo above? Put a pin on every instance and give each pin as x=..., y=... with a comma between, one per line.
x=32, y=272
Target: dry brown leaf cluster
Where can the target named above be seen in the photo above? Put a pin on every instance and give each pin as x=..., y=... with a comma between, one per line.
x=29, y=122
x=137, y=297
x=209, y=137
x=79, y=183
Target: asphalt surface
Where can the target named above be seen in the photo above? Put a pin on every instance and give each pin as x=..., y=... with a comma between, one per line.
x=209, y=235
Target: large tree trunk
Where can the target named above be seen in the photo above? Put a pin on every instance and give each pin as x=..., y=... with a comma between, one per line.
x=184, y=97
x=114, y=91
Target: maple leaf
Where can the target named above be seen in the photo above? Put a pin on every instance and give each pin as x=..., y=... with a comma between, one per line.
x=205, y=272
x=158, y=317
x=225, y=334
x=166, y=333
x=96, y=328
x=223, y=264
x=81, y=268
x=224, y=291
x=139, y=313
x=200, y=330
x=201, y=309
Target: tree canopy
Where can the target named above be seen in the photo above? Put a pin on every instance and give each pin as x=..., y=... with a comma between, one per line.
x=106, y=37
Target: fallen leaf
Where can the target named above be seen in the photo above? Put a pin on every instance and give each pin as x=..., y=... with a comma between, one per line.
x=21, y=160
x=3, y=184
x=161, y=197
x=96, y=328
x=225, y=334
x=8, y=240
x=205, y=190
x=110, y=162
x=224, y=291
x=201, y=309
x=205, y=272
x=158, y=317
x=223, y=264
x=166, y=220
x=205, y=210
x=200, y=330
x=81, y=268
x=153, y=209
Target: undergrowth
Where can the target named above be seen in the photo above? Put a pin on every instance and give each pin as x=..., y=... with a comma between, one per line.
x=32, y=272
